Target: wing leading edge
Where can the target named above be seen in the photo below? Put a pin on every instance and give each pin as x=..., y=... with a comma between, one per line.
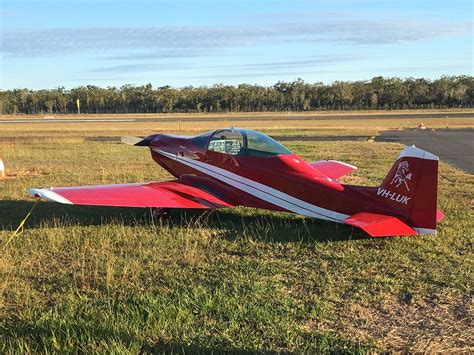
x=166, y=194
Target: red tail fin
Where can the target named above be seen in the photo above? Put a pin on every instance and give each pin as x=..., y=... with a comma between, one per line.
x=411, y=187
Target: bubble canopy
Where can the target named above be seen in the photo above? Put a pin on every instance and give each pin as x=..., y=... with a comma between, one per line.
x=238, y=141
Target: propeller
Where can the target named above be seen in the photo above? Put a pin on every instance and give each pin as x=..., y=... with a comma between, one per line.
x=137, y=141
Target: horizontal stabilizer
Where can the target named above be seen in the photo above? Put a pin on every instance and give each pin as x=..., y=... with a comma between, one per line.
x=332, y=168
x=379, y=225
x=439, y=216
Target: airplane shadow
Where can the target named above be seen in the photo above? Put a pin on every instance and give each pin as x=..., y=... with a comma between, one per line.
x=278, y=227
x=255, y=224
x=176, y=348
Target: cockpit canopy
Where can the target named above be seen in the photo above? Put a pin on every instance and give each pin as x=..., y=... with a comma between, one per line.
x=236, y=141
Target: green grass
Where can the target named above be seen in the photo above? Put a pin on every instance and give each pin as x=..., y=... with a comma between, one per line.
x=115, y=280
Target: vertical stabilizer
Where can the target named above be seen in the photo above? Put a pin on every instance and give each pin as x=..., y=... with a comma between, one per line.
x=411, y=187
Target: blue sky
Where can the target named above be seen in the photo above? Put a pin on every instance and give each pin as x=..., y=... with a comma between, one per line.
x=50, y=43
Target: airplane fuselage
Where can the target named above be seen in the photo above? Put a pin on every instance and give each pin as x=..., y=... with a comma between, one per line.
x=282, y=182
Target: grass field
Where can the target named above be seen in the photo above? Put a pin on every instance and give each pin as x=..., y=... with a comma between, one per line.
x=114, y=279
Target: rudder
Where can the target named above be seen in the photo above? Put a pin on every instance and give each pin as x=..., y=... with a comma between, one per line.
x=411, y=187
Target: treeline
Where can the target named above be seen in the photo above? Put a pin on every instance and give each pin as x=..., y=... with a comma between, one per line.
x=378, y=93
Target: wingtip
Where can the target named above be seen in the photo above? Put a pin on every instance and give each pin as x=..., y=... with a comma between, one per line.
x=48, y=194
x=346, y=164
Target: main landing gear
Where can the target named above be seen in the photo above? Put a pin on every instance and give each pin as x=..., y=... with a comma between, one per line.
x=159, y=212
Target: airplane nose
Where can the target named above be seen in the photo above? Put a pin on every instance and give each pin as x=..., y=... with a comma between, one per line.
x=159, y=140
x=155, y=140
x=145, y=142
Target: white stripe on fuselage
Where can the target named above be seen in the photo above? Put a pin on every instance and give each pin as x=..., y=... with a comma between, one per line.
x=259, y=190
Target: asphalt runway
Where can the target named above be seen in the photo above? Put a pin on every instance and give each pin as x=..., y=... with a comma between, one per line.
x=236, y=118
x=453, y=146
x=62, y=120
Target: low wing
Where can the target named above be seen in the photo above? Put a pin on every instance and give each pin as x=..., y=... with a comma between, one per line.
x=333, y=168
x=379, y=225
x=166, y=194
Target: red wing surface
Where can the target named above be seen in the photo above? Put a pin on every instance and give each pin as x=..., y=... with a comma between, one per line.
x=166, y=194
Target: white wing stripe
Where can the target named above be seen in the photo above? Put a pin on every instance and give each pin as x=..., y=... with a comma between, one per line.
x=47, y=194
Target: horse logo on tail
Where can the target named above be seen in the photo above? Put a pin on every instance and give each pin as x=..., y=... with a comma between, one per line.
x=403, y=175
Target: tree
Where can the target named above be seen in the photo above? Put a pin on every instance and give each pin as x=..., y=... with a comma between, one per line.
x=378, y=93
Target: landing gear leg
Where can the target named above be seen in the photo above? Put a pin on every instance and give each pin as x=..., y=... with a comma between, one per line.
x=159, y=212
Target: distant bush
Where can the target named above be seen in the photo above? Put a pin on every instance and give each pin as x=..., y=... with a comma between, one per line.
x=378, y=93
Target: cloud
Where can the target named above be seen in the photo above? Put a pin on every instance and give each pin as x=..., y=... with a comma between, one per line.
x=159, y=54
x=290, y=64
x=140, y=67
x=303, y=73
x=197, y=40
x=261, y=66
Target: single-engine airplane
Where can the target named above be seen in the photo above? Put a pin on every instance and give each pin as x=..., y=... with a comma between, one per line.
x=239, y=167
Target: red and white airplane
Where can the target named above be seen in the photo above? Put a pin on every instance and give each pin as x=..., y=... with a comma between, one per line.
x=239, y=167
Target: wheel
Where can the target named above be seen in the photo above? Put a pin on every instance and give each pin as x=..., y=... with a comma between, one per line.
x=159, y=212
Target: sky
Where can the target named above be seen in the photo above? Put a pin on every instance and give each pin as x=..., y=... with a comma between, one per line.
x=53, y=43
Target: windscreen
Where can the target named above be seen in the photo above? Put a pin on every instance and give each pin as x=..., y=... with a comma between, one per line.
x=260, y=144
x=202, y=139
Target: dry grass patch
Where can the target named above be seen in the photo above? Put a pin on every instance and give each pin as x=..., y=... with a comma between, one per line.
x=442, y=324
